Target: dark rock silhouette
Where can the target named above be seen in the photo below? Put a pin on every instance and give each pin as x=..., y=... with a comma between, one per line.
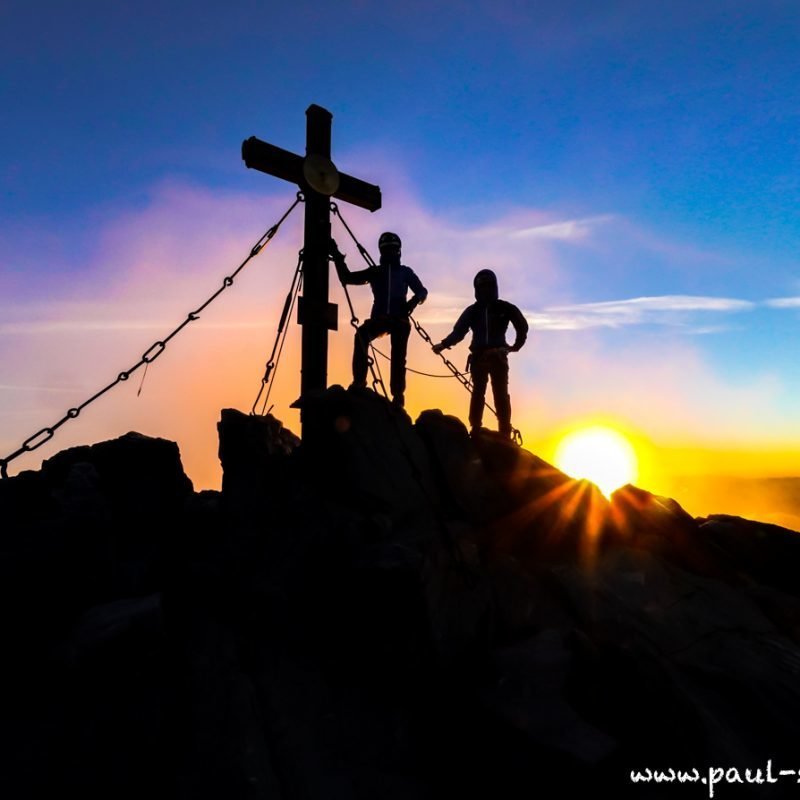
x=386, y=610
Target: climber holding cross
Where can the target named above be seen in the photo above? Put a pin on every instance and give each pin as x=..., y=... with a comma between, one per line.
x=390, y=282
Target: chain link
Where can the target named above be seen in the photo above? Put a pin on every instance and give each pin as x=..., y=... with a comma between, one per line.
x=461, y=376
x=361, y=249
x=372, y=364
x=151, y=354
x=516, y=435
x=280, y=338
x=416, y=371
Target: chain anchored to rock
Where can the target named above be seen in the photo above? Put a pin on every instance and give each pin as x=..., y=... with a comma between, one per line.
x=280, y=339
x=453, y=369
x=151, y=354
x=372, y=363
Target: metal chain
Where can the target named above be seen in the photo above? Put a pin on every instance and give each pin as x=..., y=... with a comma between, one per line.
x=151, y=354
x=516, y=435
x=460, y=376
x=280, y=337
x=416, y=371
x=361, y=249
x=372, y=363
x=447, y=539
x=454, y=371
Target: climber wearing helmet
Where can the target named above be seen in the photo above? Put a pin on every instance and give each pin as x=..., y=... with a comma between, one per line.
x=390, y=282
x=488, y=318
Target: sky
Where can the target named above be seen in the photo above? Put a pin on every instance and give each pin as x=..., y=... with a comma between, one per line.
x=628, y=169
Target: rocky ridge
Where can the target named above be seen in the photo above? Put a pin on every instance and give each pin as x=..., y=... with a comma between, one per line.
x=387, y=610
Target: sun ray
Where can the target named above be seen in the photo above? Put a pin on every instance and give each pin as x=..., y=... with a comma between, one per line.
x=599, y=454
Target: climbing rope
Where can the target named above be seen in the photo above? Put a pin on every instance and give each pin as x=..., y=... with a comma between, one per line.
x=151, y=354
x=454, y=371
x=280, y=339
x=372, y=364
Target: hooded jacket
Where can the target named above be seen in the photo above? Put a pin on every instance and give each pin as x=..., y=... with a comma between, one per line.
x=488, y=318
x=390, y=284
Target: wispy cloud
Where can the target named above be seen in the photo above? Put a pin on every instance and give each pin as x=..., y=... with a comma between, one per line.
x=783, y=302
x=565, y=230
x=707, y=330
x=662, y=310
x=543, y=228
x=168, y=257
x=672, y=310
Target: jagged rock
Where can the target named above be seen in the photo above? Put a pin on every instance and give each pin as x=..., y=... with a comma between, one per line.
x=101, y=625
x=252, y=448
x=529, y=692
x=537, y=512
x=770, y=554
x=132, y=468
x=254, y=452
x=363, y=453
x=382, y=610
x=660, y=525
x=634, y=508
x=95, y=525
x=459, y=471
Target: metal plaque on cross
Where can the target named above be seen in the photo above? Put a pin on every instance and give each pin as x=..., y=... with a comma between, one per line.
x=319, y=180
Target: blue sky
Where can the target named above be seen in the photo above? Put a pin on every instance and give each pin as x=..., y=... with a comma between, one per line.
x=631, y=166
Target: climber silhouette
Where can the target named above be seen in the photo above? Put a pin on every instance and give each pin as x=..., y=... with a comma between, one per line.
x=488, y=318
x=390, y=282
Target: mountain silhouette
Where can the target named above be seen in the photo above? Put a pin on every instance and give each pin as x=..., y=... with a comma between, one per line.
x=387, y=609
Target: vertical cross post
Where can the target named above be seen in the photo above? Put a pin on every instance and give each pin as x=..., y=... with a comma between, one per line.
x=314, y=369
x=319, y=180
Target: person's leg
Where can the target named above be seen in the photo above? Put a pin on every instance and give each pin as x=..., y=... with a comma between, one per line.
x=365, y=333
x=502, y=401
x=401, y=328
x=480, y=376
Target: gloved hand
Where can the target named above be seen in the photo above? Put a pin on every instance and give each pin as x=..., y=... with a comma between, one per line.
x=334, y=252
x=437, y=348
x=410, y=306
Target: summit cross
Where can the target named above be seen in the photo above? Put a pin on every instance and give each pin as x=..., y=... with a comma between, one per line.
x=319, y=180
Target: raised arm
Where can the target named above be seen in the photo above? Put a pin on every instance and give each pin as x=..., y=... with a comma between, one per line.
x=460, y=330
x=346, y=276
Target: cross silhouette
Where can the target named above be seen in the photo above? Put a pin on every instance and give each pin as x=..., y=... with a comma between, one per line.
x=319, y=180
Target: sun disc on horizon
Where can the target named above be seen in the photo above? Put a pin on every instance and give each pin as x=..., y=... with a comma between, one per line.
x=599, y=454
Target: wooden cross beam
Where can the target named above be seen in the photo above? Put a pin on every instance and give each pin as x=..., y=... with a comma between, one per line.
x=319, y=180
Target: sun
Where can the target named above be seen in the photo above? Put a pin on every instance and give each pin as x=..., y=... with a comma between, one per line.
x=599, y=454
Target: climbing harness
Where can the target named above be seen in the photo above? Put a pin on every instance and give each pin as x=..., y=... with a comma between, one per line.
x=151, y=354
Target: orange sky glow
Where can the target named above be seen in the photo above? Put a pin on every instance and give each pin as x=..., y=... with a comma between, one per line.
x=151, y=267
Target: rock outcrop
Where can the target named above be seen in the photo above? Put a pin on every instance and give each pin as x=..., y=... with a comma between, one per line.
x=387, y=610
